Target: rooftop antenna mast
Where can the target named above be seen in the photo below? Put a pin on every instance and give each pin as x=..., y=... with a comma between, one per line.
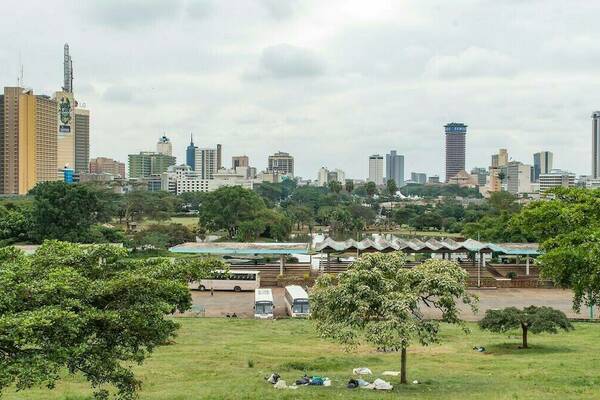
x=67, y=70
x=20, y=73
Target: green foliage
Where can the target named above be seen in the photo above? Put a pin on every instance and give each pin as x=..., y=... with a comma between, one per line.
x=391, y=187
x=335, y=187
x=87, y=310
x=434, y=191
x=371, y=189
x=163, y=236
x=377, y=301
x=530, y=319
x=15, y=223
x=349, y=185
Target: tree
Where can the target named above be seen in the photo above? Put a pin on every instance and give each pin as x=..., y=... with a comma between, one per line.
x=227, y=207
x=531, y=319
x=349, y=185
x=88, y=310
x=391, y=187
x=65, y=212
x=371, y=188
x=378, y=301
x=164, y=236
x=335, y=187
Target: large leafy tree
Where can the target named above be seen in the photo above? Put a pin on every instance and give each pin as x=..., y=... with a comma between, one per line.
x=89, y=310
x=530, y=319
x=378, y=301
x=391, y=187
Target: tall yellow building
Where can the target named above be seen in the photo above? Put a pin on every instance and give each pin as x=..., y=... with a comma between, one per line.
x=28, y=140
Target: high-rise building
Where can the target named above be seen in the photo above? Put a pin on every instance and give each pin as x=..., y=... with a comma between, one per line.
x=542, y=164
x=418, y=177
x=518, y=177
x=394, y=168
x=148, y=163
x=206, y=162
x=66, y=131
x=456, y=141
x=281, y=163
x=322, y=176
x=556, y=178
x=104, y=165
x=82, y=140
x=164, y=146
x=27, y=140
x=376, y=169
x=190, y=154
x=239, y=161
x=596, y=145
x=481, y=175
x=500, y=159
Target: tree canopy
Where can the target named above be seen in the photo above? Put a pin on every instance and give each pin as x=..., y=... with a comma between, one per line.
x=378, y=301
x=89, y=310
x=530, y=319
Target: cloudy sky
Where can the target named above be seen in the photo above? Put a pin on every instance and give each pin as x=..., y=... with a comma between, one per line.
x=328, y=81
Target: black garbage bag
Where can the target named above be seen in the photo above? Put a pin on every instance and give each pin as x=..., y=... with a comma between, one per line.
x=352, y=384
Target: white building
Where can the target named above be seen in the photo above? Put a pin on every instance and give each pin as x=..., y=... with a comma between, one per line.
x=376, y=169
x=206, y=162
x=322, y=176
x=518, y=177
x=164, y=146
x=556, y=178
x=181, y=179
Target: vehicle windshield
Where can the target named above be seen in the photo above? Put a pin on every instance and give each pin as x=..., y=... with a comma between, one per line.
x=264, y=308
x=301, y=307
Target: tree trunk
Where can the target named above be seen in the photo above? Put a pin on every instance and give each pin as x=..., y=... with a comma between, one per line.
x=403, y=365
x=524, y=327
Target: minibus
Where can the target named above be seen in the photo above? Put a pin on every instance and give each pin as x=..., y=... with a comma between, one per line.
x=263, y=304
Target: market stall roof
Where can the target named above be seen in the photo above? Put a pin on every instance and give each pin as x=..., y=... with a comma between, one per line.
x=240, y=248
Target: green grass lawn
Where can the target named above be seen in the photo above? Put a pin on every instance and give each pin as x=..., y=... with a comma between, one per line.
x=210, y=361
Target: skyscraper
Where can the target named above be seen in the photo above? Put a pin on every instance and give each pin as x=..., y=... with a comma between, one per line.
x=206, y=162
x=376, y=169
x=456, y=139
x=596, y=145
x=281, y=163
x=394, y=168
x=82, y=140
x=190, y=154
x=542, y=164
x=164, y=146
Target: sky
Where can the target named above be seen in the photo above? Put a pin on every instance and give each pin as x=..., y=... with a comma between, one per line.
x=330, y=82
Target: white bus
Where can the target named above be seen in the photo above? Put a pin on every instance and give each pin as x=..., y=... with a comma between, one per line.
x=296, y=302
x=236, y=280
x=263, y=304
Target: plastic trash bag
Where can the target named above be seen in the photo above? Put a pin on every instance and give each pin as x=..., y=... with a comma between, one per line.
x=362, y=371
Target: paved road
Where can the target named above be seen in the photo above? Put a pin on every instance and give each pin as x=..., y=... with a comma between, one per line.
x=223, y=303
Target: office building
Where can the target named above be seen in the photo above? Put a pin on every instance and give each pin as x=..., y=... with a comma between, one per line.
x=394, y=168
x=82, y=140
x=433, y=180
x=66, y=131
x=239, y=161
x=190, y=154
x=463, y=179
x=481, y=175
x=147, y=163
x=500, y=159
x=28, y=140
x=542, y=164
x=556, y=178
x=104, y=165
x=206, y=162
x=518, y=177
x=164, y=146
x=376, y=169
x=182, y=179
x=322, y=176
x=596, y=145
x=456, y=141
x=418, y=177
x=281, y=163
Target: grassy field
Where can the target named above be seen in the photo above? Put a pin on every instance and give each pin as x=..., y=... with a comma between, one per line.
x=211, y=361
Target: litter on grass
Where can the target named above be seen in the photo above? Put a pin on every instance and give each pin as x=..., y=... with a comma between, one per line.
x=391, y=373
x=362, y=371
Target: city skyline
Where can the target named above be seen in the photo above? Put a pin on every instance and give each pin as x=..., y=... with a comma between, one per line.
x=240, y=96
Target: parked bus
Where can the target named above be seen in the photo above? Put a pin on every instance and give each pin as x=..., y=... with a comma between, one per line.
x=236, y=280
x=296, y=302
x=263, y=304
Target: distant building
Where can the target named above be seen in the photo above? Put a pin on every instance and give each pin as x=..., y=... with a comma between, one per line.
x=556, y=178
x=104, y=165
x=418, y=177
x=542, y=164
x=164, y=146
x=282, y=163
x=376, y=169
x=240, y=161
x=147, y=163
x=82, y=140
x=322, y=176
x=394, y=168
x=182, y=179
x=596, y=145
x=481, y=175
x=456, y=140
x=207, y=162
x=190, y=154
x=463, y=179
x=435, y=179
x=500, y=159
x=65, y=122
x=325, y=176
x=518, y=178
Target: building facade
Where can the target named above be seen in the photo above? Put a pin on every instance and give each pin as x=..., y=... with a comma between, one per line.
x=164, y=146
x=376, y=169
x=206, y=162
x=66, y=131
x=104, y=165
x=481, y=175
x=240, y=161
x=556, y=178
x=82, y=140
x=418, y=177
x=518, y=178
x=148, y=163
x=190, y=154
x=542, y=164
x=281, y=163
x=596, y=145
x=456, y=142
x=394, y=168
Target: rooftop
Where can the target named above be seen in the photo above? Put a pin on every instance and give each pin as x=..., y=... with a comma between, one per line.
x=240, y=248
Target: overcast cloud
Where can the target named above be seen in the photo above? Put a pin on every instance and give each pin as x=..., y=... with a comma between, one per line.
x=330, y=82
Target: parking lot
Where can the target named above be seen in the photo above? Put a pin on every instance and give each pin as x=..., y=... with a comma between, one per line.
x=223, y=303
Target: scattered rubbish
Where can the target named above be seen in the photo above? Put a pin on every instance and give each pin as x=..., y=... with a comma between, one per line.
x=316, y=381
x=326, y=382
x=416, y=382
x=391, y=373
x=305, y=380
x=380, y=384
x=281, y=384
x=480, y=349
x=362, y=383
x=352, y=384
x=362, y=371
x=273, y=378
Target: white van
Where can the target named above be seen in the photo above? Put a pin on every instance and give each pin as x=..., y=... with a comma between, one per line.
x=296, y=302
x=263, y=304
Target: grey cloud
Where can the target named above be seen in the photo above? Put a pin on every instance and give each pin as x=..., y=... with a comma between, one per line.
x=285, y=61
x=119, y=94
x=125, y=14
x=199, y=9
x=471, y=62
x=280, y=9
